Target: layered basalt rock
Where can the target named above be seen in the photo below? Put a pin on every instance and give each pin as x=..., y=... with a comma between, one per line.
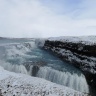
x=82, y=56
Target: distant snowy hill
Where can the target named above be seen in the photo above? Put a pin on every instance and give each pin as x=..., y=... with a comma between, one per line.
x=87, y=40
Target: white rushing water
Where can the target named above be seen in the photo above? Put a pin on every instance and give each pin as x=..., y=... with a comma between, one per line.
x=15, y=55
x=14, y=67
x=64, y=78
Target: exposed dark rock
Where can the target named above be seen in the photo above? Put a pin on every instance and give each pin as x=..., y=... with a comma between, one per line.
x=78, y=54
x=0, y=93
x=35, y=66
x=88, y=50
x=35, y=69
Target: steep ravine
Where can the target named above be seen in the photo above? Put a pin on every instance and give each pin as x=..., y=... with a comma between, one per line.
x=82, y=56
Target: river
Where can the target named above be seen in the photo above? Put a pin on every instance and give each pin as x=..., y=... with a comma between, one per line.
x=23, y=56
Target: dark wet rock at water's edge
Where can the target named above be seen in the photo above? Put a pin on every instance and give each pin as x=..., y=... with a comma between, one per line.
x=34, y=66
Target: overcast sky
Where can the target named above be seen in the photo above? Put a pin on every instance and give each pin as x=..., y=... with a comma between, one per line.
x=47, y=18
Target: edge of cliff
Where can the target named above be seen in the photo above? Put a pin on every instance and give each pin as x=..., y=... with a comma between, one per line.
x=78, y=51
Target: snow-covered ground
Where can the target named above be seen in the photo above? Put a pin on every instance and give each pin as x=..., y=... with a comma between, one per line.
x=13, y=84
x=88, y=40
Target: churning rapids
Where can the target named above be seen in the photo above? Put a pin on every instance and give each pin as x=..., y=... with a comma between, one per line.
x=23, y=56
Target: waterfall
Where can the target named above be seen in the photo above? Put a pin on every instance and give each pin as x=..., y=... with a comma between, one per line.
x=13, y=67
x=64, y=78
x=74, y=81
x=16, y=59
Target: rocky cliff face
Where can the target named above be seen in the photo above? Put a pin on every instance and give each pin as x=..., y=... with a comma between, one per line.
x=79, y=54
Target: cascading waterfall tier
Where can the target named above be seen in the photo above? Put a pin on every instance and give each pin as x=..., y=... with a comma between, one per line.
x=74, y=81
x=14, y=67
x=64, y=78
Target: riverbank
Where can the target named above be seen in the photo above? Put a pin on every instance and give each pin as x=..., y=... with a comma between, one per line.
x=78, y=51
